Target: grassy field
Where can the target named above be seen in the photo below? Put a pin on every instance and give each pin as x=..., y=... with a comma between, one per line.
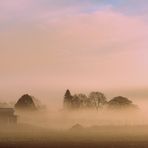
x=22, y=136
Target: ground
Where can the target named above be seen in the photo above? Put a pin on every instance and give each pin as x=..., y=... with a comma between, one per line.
x=22, y=136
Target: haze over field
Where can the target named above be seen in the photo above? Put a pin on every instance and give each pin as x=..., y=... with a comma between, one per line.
x=48, y=46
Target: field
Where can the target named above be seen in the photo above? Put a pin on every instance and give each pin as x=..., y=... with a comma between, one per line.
x=23, y=135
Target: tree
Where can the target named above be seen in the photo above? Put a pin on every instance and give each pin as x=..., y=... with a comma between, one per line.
x=120, y=102
x=25, y=103
x=96, y=99
x=75, y=102
x=83, y=99
x=67, y=99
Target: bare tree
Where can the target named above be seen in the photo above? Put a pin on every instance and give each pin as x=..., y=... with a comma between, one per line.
x=97, y=99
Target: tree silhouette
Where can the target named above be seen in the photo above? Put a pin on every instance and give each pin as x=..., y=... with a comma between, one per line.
x=25, y=103
x=96, y=99
x=75, y=102
x=67, y=99
x=83, y=99
x=120, y=102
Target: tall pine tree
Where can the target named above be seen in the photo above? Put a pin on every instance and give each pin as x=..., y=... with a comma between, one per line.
x=67, y=99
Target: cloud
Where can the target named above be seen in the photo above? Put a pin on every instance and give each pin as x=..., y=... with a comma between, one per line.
x=69, y=48
x=104, y=30
x=105, y=40
x=29, y=10
x=32, y=11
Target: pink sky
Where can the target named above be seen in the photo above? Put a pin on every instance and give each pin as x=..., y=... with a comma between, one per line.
x=104, y=50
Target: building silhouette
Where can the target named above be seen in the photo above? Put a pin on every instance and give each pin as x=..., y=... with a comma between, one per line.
x=7, y=116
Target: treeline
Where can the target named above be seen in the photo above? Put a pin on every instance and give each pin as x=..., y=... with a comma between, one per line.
x=95, y=100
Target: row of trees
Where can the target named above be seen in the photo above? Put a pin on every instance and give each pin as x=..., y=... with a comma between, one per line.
x=94, y=100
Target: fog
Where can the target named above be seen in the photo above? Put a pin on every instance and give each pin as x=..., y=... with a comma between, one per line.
x=57, y=127
x=64, y=120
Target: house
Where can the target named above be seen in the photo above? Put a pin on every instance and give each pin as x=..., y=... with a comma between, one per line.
x=7, y=116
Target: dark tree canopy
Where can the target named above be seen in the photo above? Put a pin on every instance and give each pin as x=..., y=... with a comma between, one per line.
x=67, y=94
x=25, y=103
x=95, y=100
x=120, y=102
x=75, y=103
x=67, y=99
x=80, y=101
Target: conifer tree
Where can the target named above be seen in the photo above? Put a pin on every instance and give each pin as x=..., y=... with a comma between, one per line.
x=67, y=99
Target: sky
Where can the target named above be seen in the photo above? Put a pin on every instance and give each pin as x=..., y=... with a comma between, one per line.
x=48, y=46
